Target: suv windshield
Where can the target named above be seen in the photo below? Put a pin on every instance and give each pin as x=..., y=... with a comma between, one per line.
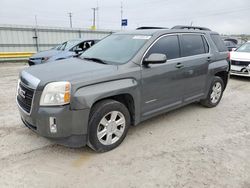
x=244, y=48
x=67, y=45
x=116, y=48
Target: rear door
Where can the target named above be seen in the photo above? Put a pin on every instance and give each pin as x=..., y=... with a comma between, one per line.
x=195, y=60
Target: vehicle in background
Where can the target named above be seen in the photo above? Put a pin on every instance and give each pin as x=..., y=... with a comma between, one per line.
x=124, y=79
x=231, y=44
x=240, y=60
x=65, y=50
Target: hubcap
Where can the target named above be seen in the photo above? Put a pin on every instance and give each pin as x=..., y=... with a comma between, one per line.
x=111, y=128
x=216, y=92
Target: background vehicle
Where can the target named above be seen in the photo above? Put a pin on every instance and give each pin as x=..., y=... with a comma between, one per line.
x=124, y=79
x=65, y=50
x=240, y=60
x=231, y=44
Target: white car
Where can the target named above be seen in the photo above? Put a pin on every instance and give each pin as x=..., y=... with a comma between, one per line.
x=240, y=60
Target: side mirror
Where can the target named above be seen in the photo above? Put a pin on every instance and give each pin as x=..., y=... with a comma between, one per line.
x=78, y=50
x=155, y=59
x=233, y=49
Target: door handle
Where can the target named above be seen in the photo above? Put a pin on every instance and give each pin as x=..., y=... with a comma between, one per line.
x=179, y=65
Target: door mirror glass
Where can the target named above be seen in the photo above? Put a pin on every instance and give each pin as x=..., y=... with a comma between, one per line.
x=155, y=58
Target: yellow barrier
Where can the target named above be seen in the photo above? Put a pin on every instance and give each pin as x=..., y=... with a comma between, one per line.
x=16, y=54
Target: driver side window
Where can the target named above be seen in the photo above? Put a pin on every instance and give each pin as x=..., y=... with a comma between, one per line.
x=168, y=45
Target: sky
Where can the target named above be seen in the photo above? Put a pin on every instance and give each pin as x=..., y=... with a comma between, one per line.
x=223, y=16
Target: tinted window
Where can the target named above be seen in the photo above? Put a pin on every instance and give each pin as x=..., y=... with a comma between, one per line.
x=168, y=45
x=218, y=43
x=205, y=44
x=192, y=45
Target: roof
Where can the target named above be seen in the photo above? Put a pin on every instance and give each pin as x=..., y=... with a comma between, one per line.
x=162, y=31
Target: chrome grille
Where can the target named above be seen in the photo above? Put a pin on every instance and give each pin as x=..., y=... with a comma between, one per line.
x=25, y=97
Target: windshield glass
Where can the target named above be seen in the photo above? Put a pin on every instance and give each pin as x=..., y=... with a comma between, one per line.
x=67, y=45
x=244, y=48
x=116, y=49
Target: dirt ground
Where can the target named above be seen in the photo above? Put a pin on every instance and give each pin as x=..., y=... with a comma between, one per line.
x=189, y=147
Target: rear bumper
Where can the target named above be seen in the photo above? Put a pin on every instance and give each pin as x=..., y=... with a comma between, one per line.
x=71, y=125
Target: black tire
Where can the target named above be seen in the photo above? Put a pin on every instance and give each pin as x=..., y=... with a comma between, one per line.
x=98, y=112
x=208, y=101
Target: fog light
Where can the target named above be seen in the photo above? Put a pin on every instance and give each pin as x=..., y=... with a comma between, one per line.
x=52, y=125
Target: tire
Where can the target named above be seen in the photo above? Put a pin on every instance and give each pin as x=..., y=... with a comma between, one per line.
x=112, y=131
x=213, y=99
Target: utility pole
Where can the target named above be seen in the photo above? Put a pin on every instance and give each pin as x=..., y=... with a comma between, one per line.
x=70, y=19
x=94, y=18
x=97, y=15
x=36, y=34
x=121, y=14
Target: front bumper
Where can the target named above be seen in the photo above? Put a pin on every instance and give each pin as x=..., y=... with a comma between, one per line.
x=71, y=125
x=240, y=71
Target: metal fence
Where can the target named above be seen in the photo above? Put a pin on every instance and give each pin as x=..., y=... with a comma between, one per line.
x=32, y=39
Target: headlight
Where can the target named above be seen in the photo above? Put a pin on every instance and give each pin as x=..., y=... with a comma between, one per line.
x=56, y=94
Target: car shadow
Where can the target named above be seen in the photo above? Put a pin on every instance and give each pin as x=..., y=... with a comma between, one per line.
x=153, y=123
x=240, y=78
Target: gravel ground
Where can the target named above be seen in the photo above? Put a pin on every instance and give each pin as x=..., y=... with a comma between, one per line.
x=189, y=147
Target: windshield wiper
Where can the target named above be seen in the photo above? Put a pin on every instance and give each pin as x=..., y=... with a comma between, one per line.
x=95, y=60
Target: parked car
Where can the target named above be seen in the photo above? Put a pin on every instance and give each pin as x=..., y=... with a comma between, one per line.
x=123, y=80
x=65, y=50
x=240, y=60
x=231, y=44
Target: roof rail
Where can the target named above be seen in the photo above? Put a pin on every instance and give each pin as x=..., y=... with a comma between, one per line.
x=191, y=27
x=146, y=27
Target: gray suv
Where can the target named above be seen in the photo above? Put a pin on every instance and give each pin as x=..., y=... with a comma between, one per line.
x=125, y=79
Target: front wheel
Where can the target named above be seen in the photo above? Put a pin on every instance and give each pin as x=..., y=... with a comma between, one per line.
x=108, y=125
x=215, y=93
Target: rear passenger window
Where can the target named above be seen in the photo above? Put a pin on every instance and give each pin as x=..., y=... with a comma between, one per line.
x=205, y=44
x=168, y=45
x=193, y=45
x=218, y=43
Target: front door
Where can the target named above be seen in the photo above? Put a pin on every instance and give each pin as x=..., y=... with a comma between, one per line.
x=162, y=84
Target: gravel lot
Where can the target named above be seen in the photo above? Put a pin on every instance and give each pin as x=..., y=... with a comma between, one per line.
x=189, y=147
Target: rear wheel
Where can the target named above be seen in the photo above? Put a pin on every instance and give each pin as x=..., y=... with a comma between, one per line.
x=215, y=93
x=108, y=125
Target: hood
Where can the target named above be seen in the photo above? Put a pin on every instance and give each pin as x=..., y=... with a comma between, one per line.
x=47, y=53
x=240, y=56
x=73, y=70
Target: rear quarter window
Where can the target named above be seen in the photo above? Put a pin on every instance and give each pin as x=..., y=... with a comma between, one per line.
x=219, y=43
x=193, y=45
